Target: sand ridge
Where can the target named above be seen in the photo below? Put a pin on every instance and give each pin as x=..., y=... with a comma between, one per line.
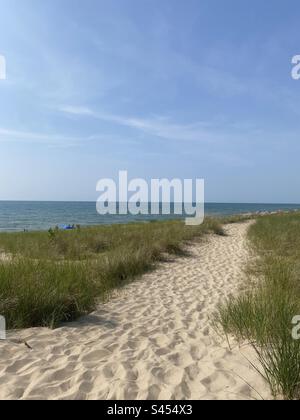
x=154, y=340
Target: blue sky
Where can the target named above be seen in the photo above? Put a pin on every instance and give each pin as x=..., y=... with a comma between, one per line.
x=172, y=88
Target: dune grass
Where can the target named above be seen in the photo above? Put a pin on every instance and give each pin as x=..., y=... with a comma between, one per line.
x=53, y=277
x=263, y=312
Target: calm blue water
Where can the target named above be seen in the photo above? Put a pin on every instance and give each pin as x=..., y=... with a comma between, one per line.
x=17, y=216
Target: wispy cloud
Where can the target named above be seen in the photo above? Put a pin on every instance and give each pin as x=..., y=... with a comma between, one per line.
x=59, y=140
x=160, y=127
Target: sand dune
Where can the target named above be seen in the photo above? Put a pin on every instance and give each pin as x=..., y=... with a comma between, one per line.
x=152, y=341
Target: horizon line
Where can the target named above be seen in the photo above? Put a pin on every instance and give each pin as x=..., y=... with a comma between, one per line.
x=160, y=202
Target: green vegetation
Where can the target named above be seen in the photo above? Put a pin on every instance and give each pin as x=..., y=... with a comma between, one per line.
x=263, y=312
x=55, y=276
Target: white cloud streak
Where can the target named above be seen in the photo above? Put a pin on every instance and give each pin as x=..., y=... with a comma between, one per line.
x=158, y=127
x=58, y=140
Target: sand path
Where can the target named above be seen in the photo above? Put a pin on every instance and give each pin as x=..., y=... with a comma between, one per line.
x=153, y=341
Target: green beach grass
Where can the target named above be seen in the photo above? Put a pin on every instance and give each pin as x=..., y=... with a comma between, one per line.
x=51, y=277
x=262, y=314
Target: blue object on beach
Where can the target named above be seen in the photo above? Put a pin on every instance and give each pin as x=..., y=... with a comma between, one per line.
x=66, y=227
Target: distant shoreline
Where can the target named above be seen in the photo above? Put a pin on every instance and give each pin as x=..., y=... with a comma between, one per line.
x=17, y=216
x=251, y=203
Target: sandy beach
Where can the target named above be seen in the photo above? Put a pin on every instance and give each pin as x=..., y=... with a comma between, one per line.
x=152, y=340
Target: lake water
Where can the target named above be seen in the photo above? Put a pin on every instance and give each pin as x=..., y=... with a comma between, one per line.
x=17, y=215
